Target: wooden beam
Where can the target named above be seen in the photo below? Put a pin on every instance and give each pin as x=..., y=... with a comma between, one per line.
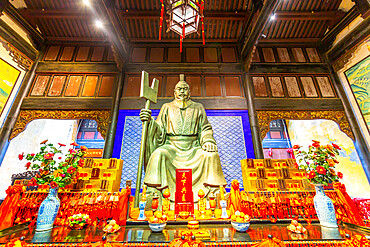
x=364, y=7
x=186, y=40
x=36, y=37
x=298, y=104
x=288, y=68
x=77, y=67
x=308, y=15
x=289, y=40
x=66, y=103
x=252, y=40
x=330, y=36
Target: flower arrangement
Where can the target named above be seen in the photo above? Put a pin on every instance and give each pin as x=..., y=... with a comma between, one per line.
x=318, y=162
x=79, y=220
x=54, y=167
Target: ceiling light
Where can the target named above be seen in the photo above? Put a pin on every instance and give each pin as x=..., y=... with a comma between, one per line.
x=273, y=17
x=99, y=24
x=86, y=2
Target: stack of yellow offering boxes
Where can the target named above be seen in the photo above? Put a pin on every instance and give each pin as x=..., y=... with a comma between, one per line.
x=273, y=175
x=99, y=175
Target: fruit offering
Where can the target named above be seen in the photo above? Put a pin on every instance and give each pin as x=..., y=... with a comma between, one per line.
x=240, y=217
x=111, y=227
x=158, y=217
x=296, y=227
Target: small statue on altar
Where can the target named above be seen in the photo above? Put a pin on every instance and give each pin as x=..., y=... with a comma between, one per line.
x=202, y=204
x=181, y=137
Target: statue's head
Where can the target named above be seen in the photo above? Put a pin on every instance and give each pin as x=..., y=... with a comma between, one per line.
x=182, y=90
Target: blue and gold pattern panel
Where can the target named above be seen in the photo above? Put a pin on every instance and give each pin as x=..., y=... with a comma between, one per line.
x=231, y=131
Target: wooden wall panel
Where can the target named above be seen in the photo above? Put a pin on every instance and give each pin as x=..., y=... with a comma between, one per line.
x=195, y=85
x=308, y=87
x=156, y=55
x=40, y=85
x=98, y=54
x=210, y=55
x=298, y=55
x=73, y=86
x=283, y=55
x=106, y=86
x=138, y=55
x=90, y=86
x=171, y=81
x=213, y=86
x=325, y=86
x=133, y=86
x=82, y=54
x=268, y=55
x=110, y=56
x=276, y=86
x=192, y=55
x=52, y=53
x=67, y=53
x=228, y=55
x=256, y=56
x=292, y=86
x=174, y=55
x=259, y=86
x=57, y=85
x=233, y=86
x=313, y=55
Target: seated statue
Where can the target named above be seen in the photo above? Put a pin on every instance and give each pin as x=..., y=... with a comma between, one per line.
x=181, y=138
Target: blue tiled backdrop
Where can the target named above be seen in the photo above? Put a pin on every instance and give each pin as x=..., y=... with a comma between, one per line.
x=231, y=131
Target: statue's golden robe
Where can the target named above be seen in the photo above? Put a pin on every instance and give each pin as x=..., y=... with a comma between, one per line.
x=174, y=141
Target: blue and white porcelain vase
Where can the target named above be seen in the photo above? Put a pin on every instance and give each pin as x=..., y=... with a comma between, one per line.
x=48, y=211
x=324, y=207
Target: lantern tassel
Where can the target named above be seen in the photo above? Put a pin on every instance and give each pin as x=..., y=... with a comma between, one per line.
x=161, y=20
x=202, y=19
x=182, y=36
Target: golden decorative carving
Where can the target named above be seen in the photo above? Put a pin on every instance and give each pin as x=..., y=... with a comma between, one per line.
x=265, y=117
x=22, y=60
x=26, y=116
x=343, y=60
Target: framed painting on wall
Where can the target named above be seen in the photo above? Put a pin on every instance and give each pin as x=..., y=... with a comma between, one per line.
x=358, y=77
x=8, y=77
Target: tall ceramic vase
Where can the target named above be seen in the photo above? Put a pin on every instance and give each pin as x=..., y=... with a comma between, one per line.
x=324, y=207
x=48, y=211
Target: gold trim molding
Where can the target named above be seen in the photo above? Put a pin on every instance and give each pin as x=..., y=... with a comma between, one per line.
x=265, y=117
x=26, y=116
x=22, y=60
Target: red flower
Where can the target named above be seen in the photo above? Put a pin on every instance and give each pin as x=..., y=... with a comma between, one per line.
x=81, y=163
x=340, y=175
x=48, y=156
x=71, y=170
x=32, y=182
x=74, y=144
x=320, y=170
x=314, y=141
x=21, y=156
x=311, y=174
x=43, y=142
x=296, y=165
x=336, y=146
x=296, y=146
x=32, y=154
x=316, y=144
x=72, y=151
x=62, y=145
x=83, y=148
x=53, y=185
x=28, y=164
x=38, y=175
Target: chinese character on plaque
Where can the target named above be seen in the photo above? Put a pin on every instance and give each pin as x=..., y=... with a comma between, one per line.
x=184, y=198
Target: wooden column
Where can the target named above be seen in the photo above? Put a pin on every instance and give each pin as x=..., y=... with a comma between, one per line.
x=253, y=118
x=16, y=107
x=109, y=142
x=360, y=143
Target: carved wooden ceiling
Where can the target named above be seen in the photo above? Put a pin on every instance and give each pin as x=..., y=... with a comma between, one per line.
x=225, y=21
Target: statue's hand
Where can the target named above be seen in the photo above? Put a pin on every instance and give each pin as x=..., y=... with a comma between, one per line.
x=145, y=115
x=209, y=147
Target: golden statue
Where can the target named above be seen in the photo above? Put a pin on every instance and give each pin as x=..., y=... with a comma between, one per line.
x=181, y=138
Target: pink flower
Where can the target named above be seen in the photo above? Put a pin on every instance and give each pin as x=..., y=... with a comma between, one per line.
x=72, y=151
x=63, y=175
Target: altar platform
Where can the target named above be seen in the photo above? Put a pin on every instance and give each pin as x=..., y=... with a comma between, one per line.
x=213, y=235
